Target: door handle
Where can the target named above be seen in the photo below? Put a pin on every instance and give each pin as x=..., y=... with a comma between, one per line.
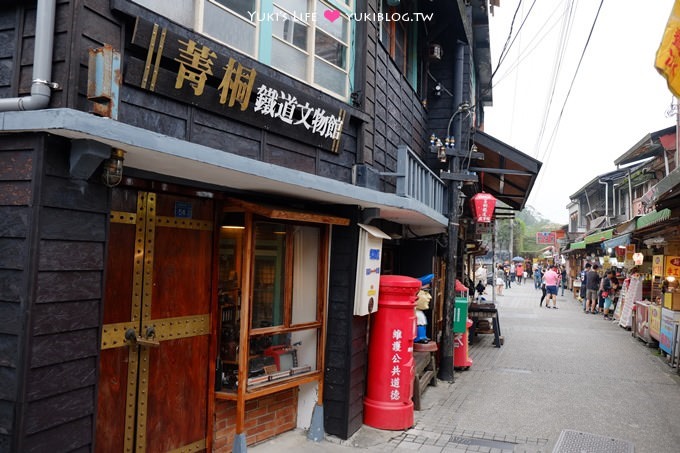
x=149, y=341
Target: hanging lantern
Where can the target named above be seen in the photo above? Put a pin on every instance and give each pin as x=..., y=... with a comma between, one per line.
x=482, y=206
x=638, y=258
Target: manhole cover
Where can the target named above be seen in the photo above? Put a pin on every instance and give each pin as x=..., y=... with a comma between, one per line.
x=489, y=443
x=571, y=441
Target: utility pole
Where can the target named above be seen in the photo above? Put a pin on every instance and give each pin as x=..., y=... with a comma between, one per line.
x=455, y=179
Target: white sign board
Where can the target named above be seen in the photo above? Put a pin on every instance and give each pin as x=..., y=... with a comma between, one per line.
x=368, y=269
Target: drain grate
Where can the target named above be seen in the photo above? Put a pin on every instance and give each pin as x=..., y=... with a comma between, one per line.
x=571, y=441
x=489, y=443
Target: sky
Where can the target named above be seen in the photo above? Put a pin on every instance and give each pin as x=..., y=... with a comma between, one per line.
x=616, y=99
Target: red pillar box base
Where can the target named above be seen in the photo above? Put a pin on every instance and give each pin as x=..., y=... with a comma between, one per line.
x=388, y=415
x=460, y=348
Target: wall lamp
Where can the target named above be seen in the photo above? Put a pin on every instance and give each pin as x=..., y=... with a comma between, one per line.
x=112, y=173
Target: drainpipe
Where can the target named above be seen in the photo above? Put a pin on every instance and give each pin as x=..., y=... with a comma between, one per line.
x=630, y=196
x=606, y=199
x=41, y=87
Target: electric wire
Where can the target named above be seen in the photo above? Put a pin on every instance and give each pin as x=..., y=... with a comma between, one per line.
x=519, y=30
x=566, y=99
x=536, y=40
x=562, y=46
x=507, y=40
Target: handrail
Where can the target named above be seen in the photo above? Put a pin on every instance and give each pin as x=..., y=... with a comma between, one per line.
x=416, y=180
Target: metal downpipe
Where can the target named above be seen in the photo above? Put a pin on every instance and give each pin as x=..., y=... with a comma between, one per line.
x=41, y=87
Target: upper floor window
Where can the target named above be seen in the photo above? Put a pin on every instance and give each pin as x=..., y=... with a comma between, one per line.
x=400, y=40
x=307, y=39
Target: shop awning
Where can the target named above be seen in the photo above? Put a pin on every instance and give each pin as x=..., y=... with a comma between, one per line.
x=508, y=174
x=580, y=245
x=149, y=151
x=617, y=241
x=599, y=237
x=653, y=217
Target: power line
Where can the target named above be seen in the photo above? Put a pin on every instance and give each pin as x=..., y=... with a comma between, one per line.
x=566, y=99
x=562, y=45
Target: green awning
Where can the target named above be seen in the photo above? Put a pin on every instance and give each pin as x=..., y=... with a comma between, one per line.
x=577, y=245
x=599, y=237
x=653, y=217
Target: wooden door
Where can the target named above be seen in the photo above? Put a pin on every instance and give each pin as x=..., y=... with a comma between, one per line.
x=154, y=375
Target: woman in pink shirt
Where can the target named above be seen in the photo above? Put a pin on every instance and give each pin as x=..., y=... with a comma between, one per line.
x=551, y=280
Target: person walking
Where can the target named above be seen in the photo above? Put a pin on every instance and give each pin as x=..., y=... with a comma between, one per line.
x=592, y=289
x=563, y=277
x=500, y=279
x=519, y=271
x=552, y=281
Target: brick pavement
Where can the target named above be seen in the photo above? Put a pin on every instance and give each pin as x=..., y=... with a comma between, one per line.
x=557, y=370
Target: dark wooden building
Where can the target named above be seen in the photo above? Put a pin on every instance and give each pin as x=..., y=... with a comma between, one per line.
x=181, y=188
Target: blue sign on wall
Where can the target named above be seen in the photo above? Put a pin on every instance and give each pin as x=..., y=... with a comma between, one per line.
x=182, y=209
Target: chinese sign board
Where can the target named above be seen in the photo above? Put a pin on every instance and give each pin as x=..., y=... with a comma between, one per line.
x=657, y=265
x=394, y=377
x=673, y=266
x=187, y=70
x=545, y=237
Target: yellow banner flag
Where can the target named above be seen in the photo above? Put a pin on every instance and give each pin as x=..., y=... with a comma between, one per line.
x=668, y=55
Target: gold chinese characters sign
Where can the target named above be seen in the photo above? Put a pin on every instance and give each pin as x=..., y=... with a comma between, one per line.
x=185, y=69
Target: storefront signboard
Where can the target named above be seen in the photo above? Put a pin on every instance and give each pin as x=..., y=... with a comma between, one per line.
x=654, y=321
x=673, y=266
x=545, y=237
x=184, y=68
x=657, y=265
x=668, y=319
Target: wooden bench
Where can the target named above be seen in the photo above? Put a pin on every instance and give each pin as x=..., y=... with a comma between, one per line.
x=425, y=373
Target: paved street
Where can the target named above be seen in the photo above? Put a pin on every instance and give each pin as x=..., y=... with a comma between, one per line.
x=559, y=373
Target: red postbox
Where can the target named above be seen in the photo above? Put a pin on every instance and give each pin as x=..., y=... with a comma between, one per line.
x=389, y=390
x=461, y=359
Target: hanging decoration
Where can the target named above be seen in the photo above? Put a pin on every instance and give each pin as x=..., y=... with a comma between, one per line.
x=482, y=206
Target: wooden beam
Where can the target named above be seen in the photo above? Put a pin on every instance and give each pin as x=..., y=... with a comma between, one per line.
x=447, y=175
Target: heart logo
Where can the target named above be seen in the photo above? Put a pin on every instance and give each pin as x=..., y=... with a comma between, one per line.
x=331, y=15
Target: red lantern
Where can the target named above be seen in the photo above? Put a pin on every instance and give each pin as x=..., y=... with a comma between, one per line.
x=482, y=206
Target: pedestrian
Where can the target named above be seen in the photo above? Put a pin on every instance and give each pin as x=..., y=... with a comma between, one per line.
x=563, y=276
x=500, y=279
x=512, y=271
x=610, y=294
x=552, y=281
x=592, y=289
x=519, y=271
x=543, y=293
x=582, y=291
x=538, y=277
x=506, y=271
x=481, y=275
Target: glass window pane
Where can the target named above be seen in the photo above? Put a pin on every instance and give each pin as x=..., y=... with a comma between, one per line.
x=336, y=27
x=297, y=7
x=244, y=8
x=330, y=77
x=276, y=358
x=289, y=59
x=268, y=275
x=330, y=49
x=305, y=273
x=229, y=28
x=290, y=30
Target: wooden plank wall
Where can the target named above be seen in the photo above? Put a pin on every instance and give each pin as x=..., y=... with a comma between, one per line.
x=55, y=228
x=345, y=359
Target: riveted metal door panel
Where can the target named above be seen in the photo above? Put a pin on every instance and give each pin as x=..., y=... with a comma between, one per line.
x=153, y=384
